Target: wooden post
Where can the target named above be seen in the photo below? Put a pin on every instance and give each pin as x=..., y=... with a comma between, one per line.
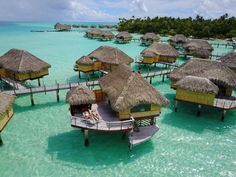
x=223, y=115
x=39, y=84
x=150, y=80
x=163, y=77
x=79, y=75
x=123, y=135
x=86, y=140
x=57, y=92
x=31, y=97
x=1, y=141
x=199, y=110
x=176, y=105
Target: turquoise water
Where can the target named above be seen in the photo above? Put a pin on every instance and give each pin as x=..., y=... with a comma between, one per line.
x=40, y=142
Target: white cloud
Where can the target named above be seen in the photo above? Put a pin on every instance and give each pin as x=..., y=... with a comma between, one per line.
x=138, y=6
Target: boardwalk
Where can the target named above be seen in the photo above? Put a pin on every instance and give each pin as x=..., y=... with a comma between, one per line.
x=13, y=83
x=226, y=104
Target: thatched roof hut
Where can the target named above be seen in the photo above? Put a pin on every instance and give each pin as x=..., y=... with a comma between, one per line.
x=195, y=44
x=85, y=61
x=178, y=39
x=229, y=60
x=21, y=61
x=201, y=53
x=110, y=55
x=62, y=26
x=157, y=49
x=197, y=84
x=124, y=36
x=80, y=95
x=107, y=34
x=126, y=89
x=5, y=102
x=149, y=38
x=93, y=32
x=213, y=70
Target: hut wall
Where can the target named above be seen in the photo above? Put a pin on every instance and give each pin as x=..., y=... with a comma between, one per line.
x=2, y=72
x=99, y=95
x=172, y=85
x=167, y=59
x=84, y=68
x=149, y=60
x=5, y=117
x=26, y=76
x=195, y=97
x=154, y=111
x=229, y=91
x=39, y=74
x=97, y=65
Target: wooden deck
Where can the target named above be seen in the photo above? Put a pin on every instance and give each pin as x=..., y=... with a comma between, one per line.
x=225, y=103
x=107, y=120
x=144, y=134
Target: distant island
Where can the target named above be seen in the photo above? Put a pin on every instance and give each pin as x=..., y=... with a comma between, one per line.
x=223, y=27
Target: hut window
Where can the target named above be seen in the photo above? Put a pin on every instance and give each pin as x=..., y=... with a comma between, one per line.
x=141, y=108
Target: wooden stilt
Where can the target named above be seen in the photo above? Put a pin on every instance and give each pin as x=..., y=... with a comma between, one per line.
x=1, y=141
x=39, y=83
x=31, y=97
x=123, y=135
x=223, y=115
x=150, y=80
x=199, y=110
x=163, y=78
x=79, y=75
x=86, y=140
x=176, y=105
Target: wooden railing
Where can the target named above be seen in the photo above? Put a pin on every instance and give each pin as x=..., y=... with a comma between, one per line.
x=102, y=125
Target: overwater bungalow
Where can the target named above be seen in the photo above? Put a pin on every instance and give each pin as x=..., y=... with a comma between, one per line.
x=6, y=111
x=201, y=53
x=110, y=57
x=76, y=26
x=103, y=59
x=159, y=53
x=149, y=38
x=62, y=27
x=229, y=60
x=178, y=39
x=193, y=45
x=93, y=26
x=106, y=36
x=204, y=82
x=125, y=102
x=123, y=37
x=21, y=65
x=93, y=33
x=84, y=26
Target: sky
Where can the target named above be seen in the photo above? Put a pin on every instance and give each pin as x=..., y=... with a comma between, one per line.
x=110, y=10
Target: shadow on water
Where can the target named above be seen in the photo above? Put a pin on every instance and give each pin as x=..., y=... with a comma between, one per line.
x=18, y=108
x=210, y=118
x=104, y=149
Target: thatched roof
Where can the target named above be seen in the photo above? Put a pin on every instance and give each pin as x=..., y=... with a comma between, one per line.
x=21, y=61
x=124, y=35
x=110, y=55
x=126, y=89
x=5, y=101
x=80, y=95
x=229, y=60
x=179, y=38
x=62, y=26
x=94, y=32
x=212, y=70
x=197, y=84
x=202, y=53
x=156, y=49
x=106, y=34
x=85, y=60
x=195, y=44
x=151, y=36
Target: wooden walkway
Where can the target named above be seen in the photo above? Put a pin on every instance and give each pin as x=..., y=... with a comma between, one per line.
x=144, y=134
x=49, y=88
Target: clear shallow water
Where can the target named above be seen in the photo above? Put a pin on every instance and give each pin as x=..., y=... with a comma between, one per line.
x=40, y=142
